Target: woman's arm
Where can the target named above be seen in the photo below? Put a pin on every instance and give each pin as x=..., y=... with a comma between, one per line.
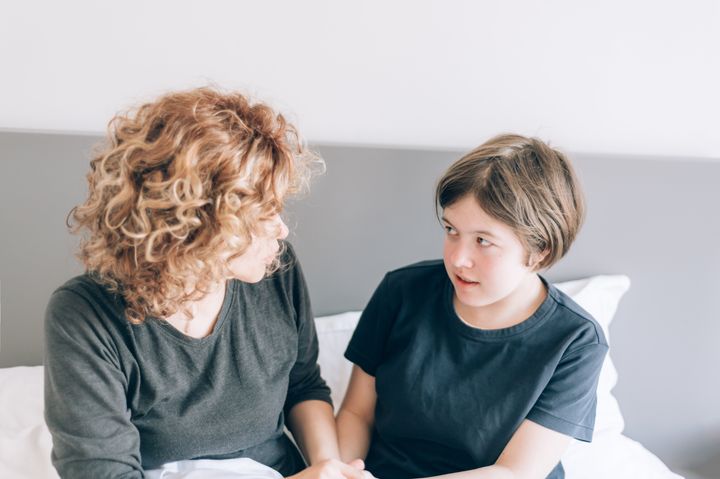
x=85, y=401
x=532, y=453
x=356, y=416
x=308, y=408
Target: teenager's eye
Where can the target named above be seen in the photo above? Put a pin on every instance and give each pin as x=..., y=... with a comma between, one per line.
x=483, y=242
x=450, y=230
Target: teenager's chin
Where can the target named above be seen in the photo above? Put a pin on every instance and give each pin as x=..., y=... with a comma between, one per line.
x=472, y=299
x=474, y=302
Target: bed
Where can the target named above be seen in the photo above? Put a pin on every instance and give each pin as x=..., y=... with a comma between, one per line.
x=371, y=212
x=25, y=442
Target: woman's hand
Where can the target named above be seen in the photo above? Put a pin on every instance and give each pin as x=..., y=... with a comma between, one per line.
x=334, y=469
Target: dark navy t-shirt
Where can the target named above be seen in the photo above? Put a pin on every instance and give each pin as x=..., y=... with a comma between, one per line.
x=450, y=396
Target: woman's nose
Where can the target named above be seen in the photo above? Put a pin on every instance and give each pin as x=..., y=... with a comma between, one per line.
x=283, y=230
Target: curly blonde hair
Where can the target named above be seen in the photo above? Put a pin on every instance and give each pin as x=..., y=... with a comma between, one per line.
x=179, y=183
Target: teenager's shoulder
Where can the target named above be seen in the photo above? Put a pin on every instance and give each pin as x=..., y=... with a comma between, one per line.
x=420, y=269
x=423, y=274
x=587, y=330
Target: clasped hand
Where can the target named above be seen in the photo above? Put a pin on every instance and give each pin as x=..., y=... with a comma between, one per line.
x=335, y=469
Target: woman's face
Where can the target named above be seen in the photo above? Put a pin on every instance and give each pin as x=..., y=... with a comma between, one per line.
x=252, y=265
x=483, y=256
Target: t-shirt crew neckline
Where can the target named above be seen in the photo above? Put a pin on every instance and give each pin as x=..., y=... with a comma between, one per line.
x=544, y=311
x=184, y=338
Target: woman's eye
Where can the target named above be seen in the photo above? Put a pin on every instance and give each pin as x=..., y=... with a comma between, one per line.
x=483, y=242
x=449, y=230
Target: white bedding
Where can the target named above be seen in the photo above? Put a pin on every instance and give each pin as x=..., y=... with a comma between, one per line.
x=613, y=455
x=239, y=468
x=25, y=442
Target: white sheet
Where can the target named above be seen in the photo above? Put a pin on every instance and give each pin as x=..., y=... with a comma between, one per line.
x=614, y=456
x=25, y=442
x=240, y=468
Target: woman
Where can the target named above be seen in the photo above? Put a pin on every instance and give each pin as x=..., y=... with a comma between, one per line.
x=177, y=343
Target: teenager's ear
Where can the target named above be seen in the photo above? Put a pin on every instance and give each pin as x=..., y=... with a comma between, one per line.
x=536, y=258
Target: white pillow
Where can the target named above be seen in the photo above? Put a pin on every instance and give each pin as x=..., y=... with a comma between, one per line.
x=598, y=295
x=614, y=456
x=334, y=334
x=25, y=441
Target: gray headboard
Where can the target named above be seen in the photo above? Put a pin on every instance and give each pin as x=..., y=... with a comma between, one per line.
x=654, y=219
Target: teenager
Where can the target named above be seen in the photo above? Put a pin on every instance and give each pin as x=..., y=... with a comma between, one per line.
x=474, y=366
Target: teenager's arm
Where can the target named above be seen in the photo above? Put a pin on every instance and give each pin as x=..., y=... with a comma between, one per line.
x=356, y=416
x=532, y=453
x=313, y=427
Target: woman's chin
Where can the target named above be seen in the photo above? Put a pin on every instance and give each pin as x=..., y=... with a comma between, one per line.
x=251, y=276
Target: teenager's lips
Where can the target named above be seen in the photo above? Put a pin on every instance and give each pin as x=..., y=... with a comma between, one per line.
x=465, y=282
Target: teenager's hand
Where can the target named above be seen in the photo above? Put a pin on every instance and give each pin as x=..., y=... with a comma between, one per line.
x=332, y=469
x=360, y=464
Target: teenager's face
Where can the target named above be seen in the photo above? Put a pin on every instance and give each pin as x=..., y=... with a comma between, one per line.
x=252, y=265
x=484, y=258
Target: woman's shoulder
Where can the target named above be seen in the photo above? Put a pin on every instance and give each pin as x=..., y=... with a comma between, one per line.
x=83, y=299
x=288, y=269
x=87, y=287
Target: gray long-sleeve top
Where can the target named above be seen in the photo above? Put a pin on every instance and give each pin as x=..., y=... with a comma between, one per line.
x=121, y=398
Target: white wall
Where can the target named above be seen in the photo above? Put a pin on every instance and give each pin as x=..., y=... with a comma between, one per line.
x=618, y=76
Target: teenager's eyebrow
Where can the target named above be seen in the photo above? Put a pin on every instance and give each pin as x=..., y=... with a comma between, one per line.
x=478, y=232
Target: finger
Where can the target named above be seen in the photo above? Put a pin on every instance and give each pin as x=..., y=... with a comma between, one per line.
x=357, y=464
x=350, y=472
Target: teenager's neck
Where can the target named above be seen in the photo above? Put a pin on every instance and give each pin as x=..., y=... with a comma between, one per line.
x=515, y=308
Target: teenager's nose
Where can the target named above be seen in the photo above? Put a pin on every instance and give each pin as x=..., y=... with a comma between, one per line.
x=461, y=257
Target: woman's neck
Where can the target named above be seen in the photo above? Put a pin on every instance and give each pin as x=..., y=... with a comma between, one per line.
x=197, y=318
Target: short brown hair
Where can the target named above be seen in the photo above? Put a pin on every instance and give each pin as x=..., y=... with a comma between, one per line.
x=527, y=185
x=180, y=181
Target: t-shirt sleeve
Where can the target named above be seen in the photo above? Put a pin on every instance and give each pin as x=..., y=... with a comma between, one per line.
x=567, y=404
x=85, y=401
x=369, y=340
x=305, y=381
